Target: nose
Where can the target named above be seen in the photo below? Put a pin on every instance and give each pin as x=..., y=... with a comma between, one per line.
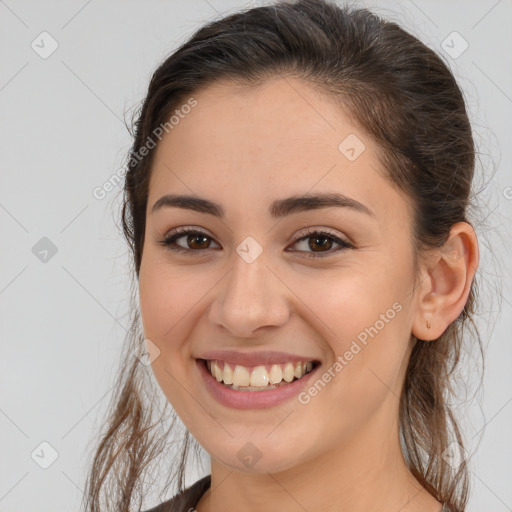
x=249, y=298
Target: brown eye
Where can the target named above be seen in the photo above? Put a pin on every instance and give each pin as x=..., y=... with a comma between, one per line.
x=199, y=239
x=194, y=243
x=320, y=243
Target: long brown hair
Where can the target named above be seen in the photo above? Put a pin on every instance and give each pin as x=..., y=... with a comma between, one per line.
x=405, y=97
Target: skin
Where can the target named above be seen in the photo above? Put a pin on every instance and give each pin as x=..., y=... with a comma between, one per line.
x=243, y=148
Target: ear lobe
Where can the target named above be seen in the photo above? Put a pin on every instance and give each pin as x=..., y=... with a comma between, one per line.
x=443, y=294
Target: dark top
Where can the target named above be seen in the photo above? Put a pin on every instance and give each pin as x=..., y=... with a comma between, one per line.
x=190, y=497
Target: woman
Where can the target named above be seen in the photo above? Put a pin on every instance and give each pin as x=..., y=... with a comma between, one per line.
x=296, y=205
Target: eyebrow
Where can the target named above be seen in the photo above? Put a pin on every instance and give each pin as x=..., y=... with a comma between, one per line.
x=279, y=208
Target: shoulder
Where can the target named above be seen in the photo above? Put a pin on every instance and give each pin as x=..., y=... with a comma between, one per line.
x=185, y=500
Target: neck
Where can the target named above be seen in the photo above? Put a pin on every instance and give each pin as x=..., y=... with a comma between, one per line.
x=367, y=473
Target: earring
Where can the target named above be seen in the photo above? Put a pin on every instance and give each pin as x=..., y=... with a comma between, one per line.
x=428, y=324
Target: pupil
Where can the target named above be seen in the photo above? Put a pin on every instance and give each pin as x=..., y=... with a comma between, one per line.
x=316, y=239
x=199, y=237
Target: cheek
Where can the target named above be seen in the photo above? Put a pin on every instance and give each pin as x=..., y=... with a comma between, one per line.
x=366, y=324
x=165, y=298
x=354, y=300
x=163, y=302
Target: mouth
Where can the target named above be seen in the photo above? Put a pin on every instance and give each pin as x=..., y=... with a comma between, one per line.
x=258, y=378
x=243, y=396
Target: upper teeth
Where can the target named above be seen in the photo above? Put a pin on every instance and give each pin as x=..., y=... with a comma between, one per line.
x=258, y=376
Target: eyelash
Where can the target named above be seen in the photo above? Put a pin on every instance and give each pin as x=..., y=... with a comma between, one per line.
x=169, y=242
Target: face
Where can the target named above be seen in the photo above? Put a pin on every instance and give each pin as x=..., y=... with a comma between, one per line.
x=329, y=282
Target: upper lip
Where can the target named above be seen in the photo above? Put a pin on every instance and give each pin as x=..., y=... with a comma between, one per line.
x=254, y=358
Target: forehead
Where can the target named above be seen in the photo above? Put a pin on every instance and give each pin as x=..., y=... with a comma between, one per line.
x=277, y=114
x=260, y=141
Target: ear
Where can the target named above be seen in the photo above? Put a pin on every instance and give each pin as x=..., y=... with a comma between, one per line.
x=444, y=289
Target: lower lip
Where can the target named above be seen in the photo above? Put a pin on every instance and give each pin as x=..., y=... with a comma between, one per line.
x=252, y=399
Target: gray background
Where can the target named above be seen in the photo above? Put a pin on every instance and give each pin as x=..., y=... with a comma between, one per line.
x=62, y=321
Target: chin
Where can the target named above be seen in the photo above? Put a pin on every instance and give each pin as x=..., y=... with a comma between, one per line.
x=256, y=457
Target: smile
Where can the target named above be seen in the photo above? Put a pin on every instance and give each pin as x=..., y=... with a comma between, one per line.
x=247, y=396
x=258, y=378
